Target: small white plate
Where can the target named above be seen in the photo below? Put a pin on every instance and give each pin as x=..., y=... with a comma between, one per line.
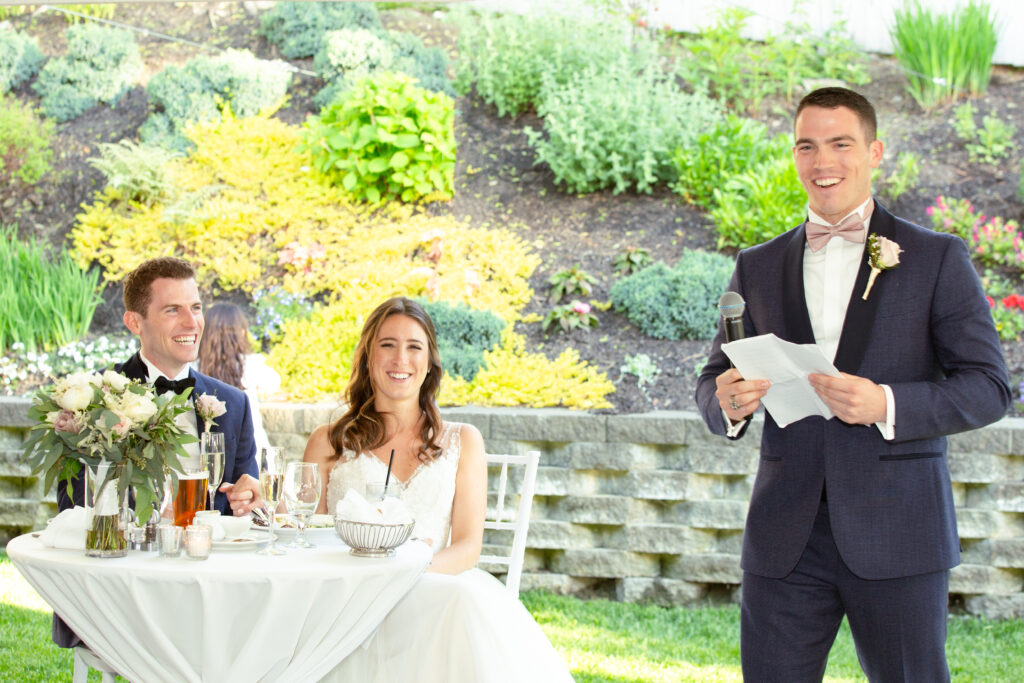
x=243, y=543
x=288, y=533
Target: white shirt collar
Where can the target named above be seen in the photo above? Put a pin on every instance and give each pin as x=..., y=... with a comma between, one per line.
x=155, y=372
x=811, y=215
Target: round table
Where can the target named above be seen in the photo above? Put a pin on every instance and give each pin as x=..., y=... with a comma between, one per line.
x=236, y=616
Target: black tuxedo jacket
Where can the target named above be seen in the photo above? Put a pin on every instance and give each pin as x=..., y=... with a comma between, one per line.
x=926, y=331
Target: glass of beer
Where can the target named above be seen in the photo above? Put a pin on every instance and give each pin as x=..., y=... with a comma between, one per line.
x=191, y=496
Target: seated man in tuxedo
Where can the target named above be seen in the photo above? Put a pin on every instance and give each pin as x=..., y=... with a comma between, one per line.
x=163, y=308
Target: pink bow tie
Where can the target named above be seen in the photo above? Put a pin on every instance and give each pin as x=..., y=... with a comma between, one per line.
x=850, y=228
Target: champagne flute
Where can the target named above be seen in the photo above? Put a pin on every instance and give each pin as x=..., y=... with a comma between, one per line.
x=211, y=450
x=301, y=496
x=271, y=481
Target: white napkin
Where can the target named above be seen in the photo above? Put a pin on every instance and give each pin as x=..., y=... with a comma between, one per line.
x=66, y=530
x=354, y=508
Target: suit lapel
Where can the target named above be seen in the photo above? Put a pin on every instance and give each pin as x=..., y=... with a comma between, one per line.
x=794, y=305
x=197, y=391
x=134, y=368
x=860, y=314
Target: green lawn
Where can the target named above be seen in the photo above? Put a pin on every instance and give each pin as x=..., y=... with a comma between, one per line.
x=601, y=641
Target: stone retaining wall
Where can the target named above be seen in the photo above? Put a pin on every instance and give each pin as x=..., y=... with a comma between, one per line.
x=648, y=507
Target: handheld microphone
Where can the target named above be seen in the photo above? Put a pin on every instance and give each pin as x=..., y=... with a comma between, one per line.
x=732, y=306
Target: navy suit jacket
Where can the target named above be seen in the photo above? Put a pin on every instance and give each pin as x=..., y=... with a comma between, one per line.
x=926, y=331
x=239, y=453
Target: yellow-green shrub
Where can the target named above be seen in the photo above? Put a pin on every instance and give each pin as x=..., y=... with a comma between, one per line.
x=248, y=214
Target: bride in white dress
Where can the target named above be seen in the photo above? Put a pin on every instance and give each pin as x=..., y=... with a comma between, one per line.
x=458, y=624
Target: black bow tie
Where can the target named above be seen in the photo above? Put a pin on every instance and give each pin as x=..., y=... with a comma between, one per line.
x=178, y=386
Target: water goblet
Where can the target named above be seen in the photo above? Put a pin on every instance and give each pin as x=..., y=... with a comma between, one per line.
x=211, y=450
x=271, y=481
x=302, y=486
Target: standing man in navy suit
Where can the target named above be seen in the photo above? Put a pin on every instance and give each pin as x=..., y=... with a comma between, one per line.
x=163, y=308
x=854, y=515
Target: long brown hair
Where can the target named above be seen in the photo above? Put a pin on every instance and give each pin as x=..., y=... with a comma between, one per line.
x=361, y=428
x=224, y=344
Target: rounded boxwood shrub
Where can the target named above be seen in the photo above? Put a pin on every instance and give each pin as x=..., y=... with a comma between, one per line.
x=463, y=334
x=20, y=59
x=386, y=138
x=100, y=65
x=675, y=302
x=298, y=27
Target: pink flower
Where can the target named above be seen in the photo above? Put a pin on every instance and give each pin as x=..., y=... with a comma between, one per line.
x=209, y=408
x=888, y=252
x=123, y=427
x=581, y=308
x=67, y=422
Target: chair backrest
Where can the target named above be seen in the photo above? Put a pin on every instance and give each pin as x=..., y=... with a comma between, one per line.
x=503, y=517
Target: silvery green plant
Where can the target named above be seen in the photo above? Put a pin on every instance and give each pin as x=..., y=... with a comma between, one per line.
x=641, y=366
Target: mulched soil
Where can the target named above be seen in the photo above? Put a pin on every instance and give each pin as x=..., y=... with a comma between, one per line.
x=498, y=184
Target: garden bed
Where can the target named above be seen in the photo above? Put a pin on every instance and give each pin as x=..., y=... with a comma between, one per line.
x=498, y=185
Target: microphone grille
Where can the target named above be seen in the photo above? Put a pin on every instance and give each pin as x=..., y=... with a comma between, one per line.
x=731, y=305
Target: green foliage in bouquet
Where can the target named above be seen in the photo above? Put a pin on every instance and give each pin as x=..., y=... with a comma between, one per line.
x=45, y=302
x=88, y=419
x=617, y=127
x=25, y=144
x=507, y=57
x=672, y=302
x=733, y=145
x=463, y=334
x=100, y=65
x=386, y=139
x=20, y=58
x=758, y=204
x=298, y=27
x=205, y=87
x=137, y=171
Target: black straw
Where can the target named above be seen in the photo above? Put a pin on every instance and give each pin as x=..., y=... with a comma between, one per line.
x=388, y=476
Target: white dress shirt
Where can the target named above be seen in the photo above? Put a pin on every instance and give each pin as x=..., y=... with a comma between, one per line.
x=187, y=420
x=829, y=277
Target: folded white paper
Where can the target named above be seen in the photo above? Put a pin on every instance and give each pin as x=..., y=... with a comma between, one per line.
x=66, y=530
x=786, y=365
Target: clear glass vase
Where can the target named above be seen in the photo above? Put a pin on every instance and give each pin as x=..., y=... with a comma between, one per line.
x=104, y=536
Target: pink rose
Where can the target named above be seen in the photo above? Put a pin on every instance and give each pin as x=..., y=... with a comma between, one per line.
x=888, y=252
x=123, y=427
x=210, y=407
x=67, y=422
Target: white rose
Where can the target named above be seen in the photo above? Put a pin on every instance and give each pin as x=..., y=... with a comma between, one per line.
x=115, y=380
x=76, y=396
x=137, y=408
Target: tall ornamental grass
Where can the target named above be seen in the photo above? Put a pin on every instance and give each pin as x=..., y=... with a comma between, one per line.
x=944, y=55
x=45, y=303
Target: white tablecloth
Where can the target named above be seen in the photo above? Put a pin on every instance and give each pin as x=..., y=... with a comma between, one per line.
x=237, y=616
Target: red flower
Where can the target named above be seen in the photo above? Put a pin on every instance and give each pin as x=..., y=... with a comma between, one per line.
x=991, y=302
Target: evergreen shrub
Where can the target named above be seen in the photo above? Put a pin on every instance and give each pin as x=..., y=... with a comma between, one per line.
x=675, y=302
x=25, y=144
x=20, y=58
x=298, y=27
x=387, y=138
x=204, y=87
x=463, y=334
x=345, y=56
x=100, y=66
x=619, y=128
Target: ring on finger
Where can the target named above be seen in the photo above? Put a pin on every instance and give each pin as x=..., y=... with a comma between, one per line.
x=733, y=404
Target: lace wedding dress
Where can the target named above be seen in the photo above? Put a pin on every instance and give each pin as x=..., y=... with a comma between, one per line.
x=447, y=629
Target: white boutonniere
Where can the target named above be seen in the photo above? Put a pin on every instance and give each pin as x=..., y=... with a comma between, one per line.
x=883, y=254
x=209, y=408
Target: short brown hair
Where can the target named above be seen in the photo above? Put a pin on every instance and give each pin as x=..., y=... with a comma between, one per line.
x=833, y=98
x=137, y=284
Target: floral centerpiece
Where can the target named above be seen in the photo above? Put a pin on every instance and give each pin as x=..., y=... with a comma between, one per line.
x=120, y=430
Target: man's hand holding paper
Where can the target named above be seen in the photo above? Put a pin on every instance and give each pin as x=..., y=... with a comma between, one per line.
x=787, y=367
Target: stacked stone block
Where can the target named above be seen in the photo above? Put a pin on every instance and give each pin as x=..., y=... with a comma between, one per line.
x=647, y=507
